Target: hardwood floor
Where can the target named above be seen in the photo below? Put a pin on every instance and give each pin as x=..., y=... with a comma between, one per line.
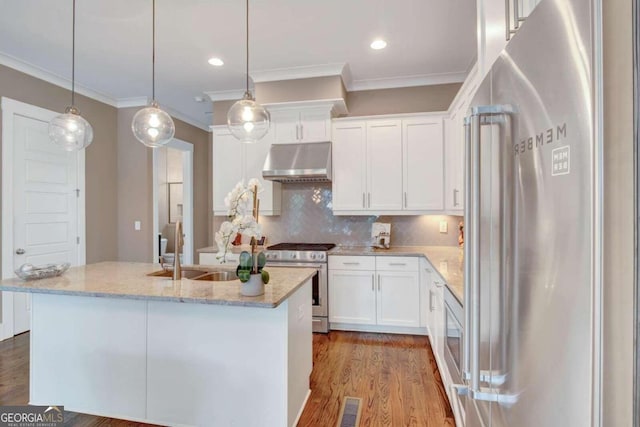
x=395, y=375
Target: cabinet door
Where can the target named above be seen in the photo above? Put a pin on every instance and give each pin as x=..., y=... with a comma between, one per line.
x=315, y=126
x=228, y=166
x=352, y=297
x=384, y=165
x=398, y=298
x=454, y=162
x=437, y=341
x=286, y=125
x=423, y=152
x=425, y=295
x=255, y=156
x=349, y=166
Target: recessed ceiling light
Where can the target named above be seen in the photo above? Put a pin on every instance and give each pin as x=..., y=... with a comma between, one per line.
x=378, y=44
x=216, y=62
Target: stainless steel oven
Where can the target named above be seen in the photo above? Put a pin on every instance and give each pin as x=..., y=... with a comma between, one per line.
x=453, y=348
x=297, y=255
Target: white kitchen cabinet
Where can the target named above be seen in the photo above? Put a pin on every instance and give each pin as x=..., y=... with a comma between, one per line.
x=387, y=296
x=301, y=124
x=349, y=151
x=384, y=165
x=234, y=161
x=423, y=163
x=352, y=297
x=210, y=258
x=388, y=166
x=496, y=27
x=455, y=145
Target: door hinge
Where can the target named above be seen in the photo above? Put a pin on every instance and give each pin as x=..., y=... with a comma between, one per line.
x=77, y=192
x=78, y=240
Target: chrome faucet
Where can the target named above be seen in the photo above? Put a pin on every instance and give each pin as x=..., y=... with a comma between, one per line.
x=178, y=244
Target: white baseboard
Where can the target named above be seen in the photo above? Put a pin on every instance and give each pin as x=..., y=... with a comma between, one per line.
x=304, y=404
x=378, y=329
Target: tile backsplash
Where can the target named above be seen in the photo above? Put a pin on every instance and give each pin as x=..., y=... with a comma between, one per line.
x=307, y=217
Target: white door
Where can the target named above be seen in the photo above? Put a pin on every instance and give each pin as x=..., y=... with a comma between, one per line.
x=46, y=201
x=315, y=126
x=384, y=167
x=349, y=166
x=398, y=298
x=352, y=297
x=423, y=153
x=228, y=166
x=286, y=126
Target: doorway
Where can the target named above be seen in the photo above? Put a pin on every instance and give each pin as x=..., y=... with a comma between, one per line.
x=43, y=204
x=173, y=198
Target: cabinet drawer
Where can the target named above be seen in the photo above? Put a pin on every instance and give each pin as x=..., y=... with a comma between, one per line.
x=339, y=262
x=394, y=263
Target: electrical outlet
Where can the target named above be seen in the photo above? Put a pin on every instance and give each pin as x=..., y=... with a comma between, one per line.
x=444, y=226
x=444, y=267
x=137, y=225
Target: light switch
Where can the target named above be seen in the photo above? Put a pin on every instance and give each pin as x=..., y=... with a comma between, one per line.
x=137, y=225
x=444, y=226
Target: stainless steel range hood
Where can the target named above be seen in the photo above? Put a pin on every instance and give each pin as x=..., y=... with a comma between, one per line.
x=306, y=162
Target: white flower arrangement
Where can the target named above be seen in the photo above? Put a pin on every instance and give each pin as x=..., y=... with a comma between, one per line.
x=242, y=204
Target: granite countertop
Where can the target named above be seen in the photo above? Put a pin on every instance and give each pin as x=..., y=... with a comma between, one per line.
x=130, y=281
x=447, y=260
x=234, y=250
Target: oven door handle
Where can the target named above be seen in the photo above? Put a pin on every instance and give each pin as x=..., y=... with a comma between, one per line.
x=293, y=265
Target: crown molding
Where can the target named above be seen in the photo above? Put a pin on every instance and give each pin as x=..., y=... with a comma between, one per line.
x=407, y=81
x=54, y=79
x=136, y=101
x=177, y=115
x=225, y=95
x=294, y=73
x=335, y=105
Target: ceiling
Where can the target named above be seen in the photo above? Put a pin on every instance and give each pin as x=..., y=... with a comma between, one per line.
x=429, y=41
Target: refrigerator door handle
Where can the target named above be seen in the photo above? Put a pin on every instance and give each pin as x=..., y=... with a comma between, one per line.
x=481, y=115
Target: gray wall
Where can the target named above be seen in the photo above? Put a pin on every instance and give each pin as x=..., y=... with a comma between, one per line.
x=417, y=99
x=101, y=158
x=618, y=215
x=135, y=171
x=307, y=217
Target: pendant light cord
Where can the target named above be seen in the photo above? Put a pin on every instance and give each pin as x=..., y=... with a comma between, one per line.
x=73, y=56
x=153, y=52
x=247, y=40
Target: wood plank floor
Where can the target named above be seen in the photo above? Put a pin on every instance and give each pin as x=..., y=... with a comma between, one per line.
x=395, y=375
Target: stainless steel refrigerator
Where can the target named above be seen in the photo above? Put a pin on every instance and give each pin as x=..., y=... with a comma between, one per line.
x=529, y=218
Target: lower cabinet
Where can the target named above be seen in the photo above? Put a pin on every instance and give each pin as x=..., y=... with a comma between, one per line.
x=386, y=295
x=211, y=258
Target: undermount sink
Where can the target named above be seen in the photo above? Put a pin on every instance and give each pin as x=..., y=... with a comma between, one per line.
x=218, y=276
x=210, y=275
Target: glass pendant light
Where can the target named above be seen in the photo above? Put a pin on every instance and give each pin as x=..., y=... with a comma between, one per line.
x=151, y=125
x=70, y=130
x=248, y=121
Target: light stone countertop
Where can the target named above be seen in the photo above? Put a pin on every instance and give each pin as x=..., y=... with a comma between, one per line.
x=130, y=281
x=234, y=249
x=447, y=260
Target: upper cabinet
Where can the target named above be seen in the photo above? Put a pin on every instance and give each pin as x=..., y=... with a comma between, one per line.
x=294, y=124
x=498, y=21
x=389, y=165
x=234, y=161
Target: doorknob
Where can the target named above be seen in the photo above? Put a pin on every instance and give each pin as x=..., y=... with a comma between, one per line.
x=20, y=251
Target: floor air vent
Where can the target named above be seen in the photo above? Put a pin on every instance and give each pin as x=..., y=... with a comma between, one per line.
x=350, y=412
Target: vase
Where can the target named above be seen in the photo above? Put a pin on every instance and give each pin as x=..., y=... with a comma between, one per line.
x=253, y=287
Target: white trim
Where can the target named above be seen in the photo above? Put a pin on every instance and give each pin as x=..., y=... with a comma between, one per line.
x=301, y=410
x=442, y=114
x=225, y=95
x=333, y=105
x=10, y=108
x=188, y=120
x=294, y=73
x=134, y=101
x=54, y=79
x=378, y=328
x=407, y=81
x=188, y=216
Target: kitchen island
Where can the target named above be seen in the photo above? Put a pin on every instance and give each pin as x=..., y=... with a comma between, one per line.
x=106, y=339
